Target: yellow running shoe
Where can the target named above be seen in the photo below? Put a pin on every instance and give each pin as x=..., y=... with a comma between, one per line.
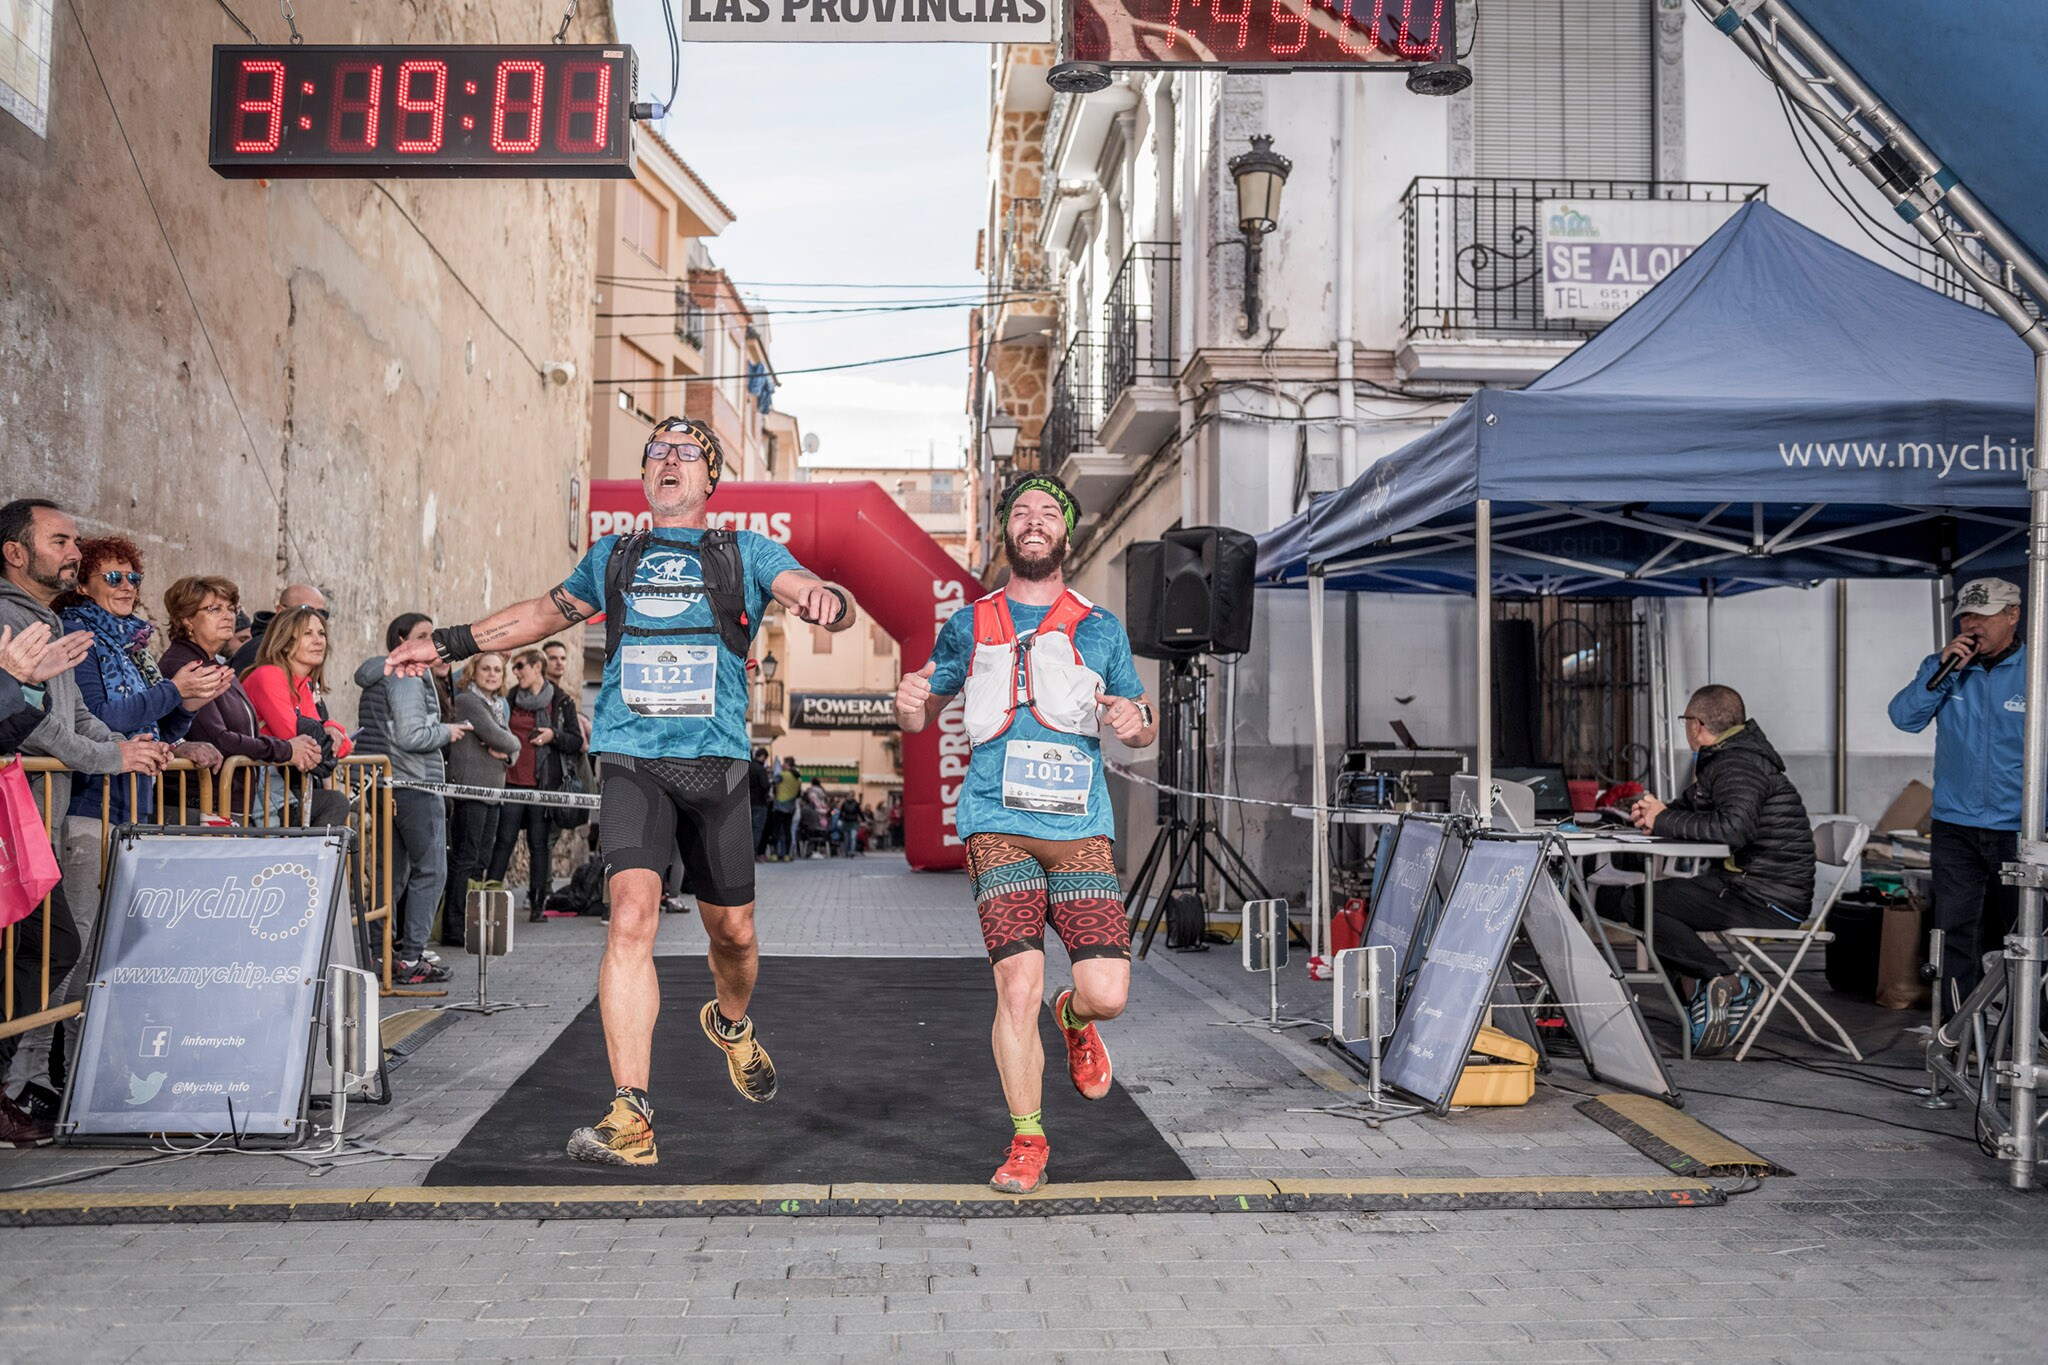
x=623, y=1137
x=753, y=1075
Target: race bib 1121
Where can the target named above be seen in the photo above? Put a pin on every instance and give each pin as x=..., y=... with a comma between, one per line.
x=669, y=680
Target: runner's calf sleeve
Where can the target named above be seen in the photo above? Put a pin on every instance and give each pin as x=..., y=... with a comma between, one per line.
x=454, y=643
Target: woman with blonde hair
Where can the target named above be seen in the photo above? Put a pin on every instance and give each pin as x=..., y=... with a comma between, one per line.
x=288, y=681
x=478, y=759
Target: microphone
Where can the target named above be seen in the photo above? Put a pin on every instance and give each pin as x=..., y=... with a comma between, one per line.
x=1948, y=666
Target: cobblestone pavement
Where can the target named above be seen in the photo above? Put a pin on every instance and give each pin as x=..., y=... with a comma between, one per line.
x=1895, y=1240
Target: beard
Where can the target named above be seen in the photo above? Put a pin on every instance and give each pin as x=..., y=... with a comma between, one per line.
x=1036, y=569
x=59, y=577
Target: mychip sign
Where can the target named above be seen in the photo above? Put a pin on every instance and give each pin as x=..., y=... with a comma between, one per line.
x=1601, y=255
x=205, y=984
x=842, y=710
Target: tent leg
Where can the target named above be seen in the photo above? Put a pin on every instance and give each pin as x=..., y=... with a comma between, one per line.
x=1319, y=862
x=1483, y=555
x=2023, y=949
x=1842, y=695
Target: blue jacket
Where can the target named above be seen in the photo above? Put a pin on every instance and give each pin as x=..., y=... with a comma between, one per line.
x=158, y=711
x=1977, y=746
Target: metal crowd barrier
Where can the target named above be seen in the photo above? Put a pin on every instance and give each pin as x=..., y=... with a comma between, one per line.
x=244, y=793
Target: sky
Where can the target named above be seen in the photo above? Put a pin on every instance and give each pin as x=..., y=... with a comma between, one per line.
x=844, y=164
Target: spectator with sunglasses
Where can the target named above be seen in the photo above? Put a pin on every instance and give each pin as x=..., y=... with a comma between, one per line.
x=295, y=595
x=121, y=683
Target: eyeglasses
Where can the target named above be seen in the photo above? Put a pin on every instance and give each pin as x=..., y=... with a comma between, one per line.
x=688, y=452
x=113, y=579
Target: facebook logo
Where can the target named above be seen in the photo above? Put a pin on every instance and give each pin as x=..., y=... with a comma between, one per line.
x=156, y=1042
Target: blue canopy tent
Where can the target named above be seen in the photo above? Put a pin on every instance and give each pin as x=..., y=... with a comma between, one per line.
x=1778, y=410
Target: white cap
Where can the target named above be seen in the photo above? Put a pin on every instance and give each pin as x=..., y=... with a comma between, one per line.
x=1986, y=597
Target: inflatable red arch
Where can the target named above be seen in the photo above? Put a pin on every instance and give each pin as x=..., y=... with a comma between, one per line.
x=855, y=535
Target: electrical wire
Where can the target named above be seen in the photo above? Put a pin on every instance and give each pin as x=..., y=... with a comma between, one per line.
x=191, y=299
x=1827, y=1109
x=1844, y=199
x=237, y=20
x=632, y=381
x=850, y=310
x=456, y=275
x=675, y=57
x=968, y=287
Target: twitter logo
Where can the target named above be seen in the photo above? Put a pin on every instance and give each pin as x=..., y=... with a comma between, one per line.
x=141, y=1090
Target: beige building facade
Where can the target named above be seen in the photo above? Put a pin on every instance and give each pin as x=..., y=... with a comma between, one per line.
x=337, y=381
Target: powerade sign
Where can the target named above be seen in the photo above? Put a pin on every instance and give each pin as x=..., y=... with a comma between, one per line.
x=205, y=984
x=843, y=710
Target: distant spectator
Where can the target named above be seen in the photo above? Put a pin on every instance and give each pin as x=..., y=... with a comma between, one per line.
x=478, y=759
x=848, y=830
x=789, y=786
x=122, y=685
x=543, y=720
x=201, y=612
x=557, y=671
x=401, y=719
x=760, y=795
x=245, y=631
x=39, y=547
x=295, y=595
x=288, y=680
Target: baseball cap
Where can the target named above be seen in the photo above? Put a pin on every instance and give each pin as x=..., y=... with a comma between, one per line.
x=1986, y=597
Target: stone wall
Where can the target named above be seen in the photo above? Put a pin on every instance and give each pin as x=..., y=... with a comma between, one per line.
x=350, y=392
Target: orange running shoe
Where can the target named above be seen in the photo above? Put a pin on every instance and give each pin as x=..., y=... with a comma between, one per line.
x=1024, y=1170
x=1087, y=1058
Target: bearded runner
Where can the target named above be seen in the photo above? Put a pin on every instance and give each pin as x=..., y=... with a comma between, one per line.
x=682, y=603
x=1043, y=670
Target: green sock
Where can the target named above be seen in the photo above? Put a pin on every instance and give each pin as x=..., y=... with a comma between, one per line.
x=1067, y=1019
x=1029, y=1125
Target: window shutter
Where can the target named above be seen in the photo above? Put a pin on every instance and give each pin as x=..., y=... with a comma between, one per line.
x=1563, y=88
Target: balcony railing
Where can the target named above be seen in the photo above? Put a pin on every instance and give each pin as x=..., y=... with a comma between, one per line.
x=929, y=502
x=1075, y=412
x=1474, y=264
x=1021, y=264
x=689, y=319
x=1138, y=320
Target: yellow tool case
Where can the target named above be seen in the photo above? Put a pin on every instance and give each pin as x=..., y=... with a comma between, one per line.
x=1501, y=1071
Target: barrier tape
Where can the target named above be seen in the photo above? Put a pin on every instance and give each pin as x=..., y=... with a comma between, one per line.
x=503, y=796
x=1111, y=765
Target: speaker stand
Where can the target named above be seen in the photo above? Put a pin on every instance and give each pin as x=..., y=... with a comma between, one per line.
x=1188, y=845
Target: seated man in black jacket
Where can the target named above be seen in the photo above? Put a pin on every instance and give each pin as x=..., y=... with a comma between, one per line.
x=1739, y=796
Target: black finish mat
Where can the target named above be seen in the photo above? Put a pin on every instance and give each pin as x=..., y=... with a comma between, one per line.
x=885, y=1075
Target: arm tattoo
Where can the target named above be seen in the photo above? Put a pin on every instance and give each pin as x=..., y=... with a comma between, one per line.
x=485, y=635
x=572, y=611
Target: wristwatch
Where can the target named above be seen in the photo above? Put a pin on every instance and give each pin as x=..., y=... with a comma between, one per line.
x=1145, y=713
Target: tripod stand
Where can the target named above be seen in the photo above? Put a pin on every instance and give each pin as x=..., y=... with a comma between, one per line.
x=1188, y=841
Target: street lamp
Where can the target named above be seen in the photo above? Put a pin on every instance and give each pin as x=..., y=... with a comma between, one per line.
x=769, y=663
x=1000, y=435
x=1259, y=174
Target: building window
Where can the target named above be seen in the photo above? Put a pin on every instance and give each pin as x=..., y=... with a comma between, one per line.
x=643, y=224
x=880, y=641
x=641, y=391
x=821, y=641
x=1564, y=88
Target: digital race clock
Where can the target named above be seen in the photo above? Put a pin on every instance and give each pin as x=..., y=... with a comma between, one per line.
x=1256, y=34
x=545, y=111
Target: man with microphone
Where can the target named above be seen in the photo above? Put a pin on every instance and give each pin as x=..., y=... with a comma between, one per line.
x=1977, y=687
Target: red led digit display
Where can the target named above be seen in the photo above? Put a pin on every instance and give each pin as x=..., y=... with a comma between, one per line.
x=542, y=111
x=1253, y=34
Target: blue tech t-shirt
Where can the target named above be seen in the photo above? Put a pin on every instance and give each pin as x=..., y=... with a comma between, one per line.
x=675, y=697
x=1105, y=648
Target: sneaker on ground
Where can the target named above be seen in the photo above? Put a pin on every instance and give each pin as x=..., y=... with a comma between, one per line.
x=420, y=973
x=1023, y=1171
x=1087, y=1058
x=753, y=1075
x=623, y=1137
x=1708, y=1014
x=1748, y=994
x=39, y=1102
x=19, y=1130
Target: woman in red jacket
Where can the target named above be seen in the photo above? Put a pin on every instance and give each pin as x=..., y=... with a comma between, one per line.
x=286, y=684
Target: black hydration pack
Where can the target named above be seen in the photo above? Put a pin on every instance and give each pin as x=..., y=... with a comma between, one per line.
x=718, y=554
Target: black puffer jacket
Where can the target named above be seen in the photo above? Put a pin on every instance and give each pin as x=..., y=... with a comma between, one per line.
x=1740, y=796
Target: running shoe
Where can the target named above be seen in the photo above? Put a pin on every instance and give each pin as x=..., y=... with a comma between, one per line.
x=1708, y=1014
x=623, y=1137
x=1023, y=1171
x=1749, y=993
x=420, y=973
x=1087, y=1058
x=753, y=1075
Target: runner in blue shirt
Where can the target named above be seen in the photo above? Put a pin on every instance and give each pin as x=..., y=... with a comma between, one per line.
x=1043, y=671
x=681, y=604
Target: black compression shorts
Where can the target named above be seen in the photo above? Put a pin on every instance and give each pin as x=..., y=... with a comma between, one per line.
x=657, y=810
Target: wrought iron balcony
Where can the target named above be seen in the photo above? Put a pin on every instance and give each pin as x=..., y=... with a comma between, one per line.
x=1474, y=265
x=689, y=318
x=1138, y=319
x=1075, y=410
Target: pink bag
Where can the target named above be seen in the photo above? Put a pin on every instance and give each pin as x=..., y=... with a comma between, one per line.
x=28, y=866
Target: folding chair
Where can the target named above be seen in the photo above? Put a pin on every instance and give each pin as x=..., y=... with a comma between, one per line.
x=1838, y=848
